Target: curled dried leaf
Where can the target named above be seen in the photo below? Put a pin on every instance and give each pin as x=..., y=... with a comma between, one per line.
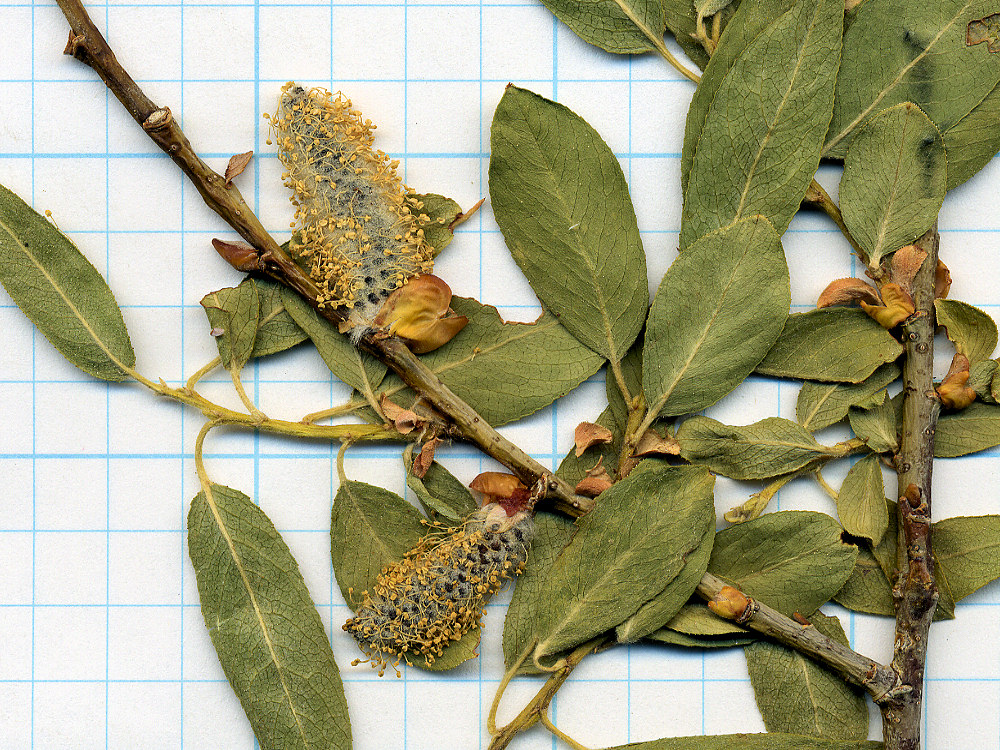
x=419, y=313
x=897, y=306
x=236, y=166
x=589, y=434
x=405, y=420
x=847, y=292
x=505, y=490
x=424, y=459
x=954, y=390
x=904, y=266
x=653, y=444
x=596, y=481
x=942, y=281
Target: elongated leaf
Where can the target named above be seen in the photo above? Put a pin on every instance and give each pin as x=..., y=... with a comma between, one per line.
x=900, y=50
x=761, y=450
x=561, y=201
x=626, y=551
x=234, y=313
x=792, y=560
x=276, y=330
x=621, y=26
x=527, y=606
x=718, y=311
x=822, y=404
x=764, y=130
x=973, y=141
x=439, y=491
x=973, y=429
x=440, y=213
x=839, y=344
x=496, y=367
x=264, y=625
x=61, y=292
x=356, y=368
x=674, y=638
x=973, y=332
x=769, y=741
x=968, y=549
x=798, y=696
x=877, y=426
x=752, y=17
x=861, y=500
x=894, y=180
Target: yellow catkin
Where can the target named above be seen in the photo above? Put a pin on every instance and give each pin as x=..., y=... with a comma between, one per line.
x=357, y=225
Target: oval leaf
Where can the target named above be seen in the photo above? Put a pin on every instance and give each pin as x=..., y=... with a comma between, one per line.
x=760, y=144
x=894, y=180
x=61, y=292
x=621, y=26
x=837, y=343
x=975, y=428
x=764, y=449
x=899, y=50
x=968, y=549
x=973, y=141
x=264, y=625
x=561, y=201
x=822, y=404
x=718, y=311
x=861, y=500
x=625, y=552
x=234, y=313
x=878, y=426
x=276, y=330
x=798, y=696
x=973, y=332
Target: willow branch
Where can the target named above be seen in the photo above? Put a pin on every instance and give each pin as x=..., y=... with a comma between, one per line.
x=915, y=594
x=88, y=45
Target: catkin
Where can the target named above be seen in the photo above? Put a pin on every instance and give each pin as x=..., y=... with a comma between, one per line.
x=439, y=590
x=357, y=226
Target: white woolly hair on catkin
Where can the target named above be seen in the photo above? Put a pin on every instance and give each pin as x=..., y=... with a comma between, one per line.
x=357, y=225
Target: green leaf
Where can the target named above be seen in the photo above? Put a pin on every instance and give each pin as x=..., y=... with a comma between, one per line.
x=791, y=560
x=823, y=404
x=981, y=377
x=441, y=212
x=359, y=370
x=760, y=144
x=764, y=449
x=706, y=8
x=234, y=314
x=673, y=638
x=631, y=366
x=498, y=368
x=439, y=491
x=967, y=548
x=626, y=551
x=61, y=292
x=370, y=528
x=624, y=27
x=573, y=468
x=798, y=696
x=769, y=741
x=861, y=500
x=900, y=50
x=680, y=18
x=561, y=201
x=717, y=313
x=876, y=426
x=894, y=180
x=975, y=428
x=264, y=625
x=277, y=330
x=973, y=141
x=867, y=590
x=971, y=330
x=839, y=344
x=750, y=19
x=527, y=606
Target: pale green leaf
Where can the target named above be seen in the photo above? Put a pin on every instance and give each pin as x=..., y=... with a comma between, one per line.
x=973, y=331
x=276, y=330
x=973, y=141
x=975, y=428
x=707, y=8
x=981, y=377
x=764, y=449
x=894, y=180
x=839, y=344
x=769, y=741
x=561, y=201
x=798, y=696
x=439, y=491
x=353, y=366
x=761, y=140
x=968, y=549
x=674, y=638
x=527, y=606
x=234, y=314
x=621, y=26
x=61, y=292
x=877, y=426
x=718, y=311
x=792, y=560
x=868, y=589
x=901, y=50
x=440, y=213
x=861, y=500
x=505, y=371
x=626, y=551
x=264, y=625
x=822, y=404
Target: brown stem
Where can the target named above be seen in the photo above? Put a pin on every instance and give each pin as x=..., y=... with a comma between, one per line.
x=915, y=593
x=88, y=45
x=877, y=679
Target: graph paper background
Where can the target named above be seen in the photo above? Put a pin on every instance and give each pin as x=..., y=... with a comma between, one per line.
x=102, y=644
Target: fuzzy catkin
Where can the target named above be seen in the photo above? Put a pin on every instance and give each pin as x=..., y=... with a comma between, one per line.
x=435, y=594
x=357, y=225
